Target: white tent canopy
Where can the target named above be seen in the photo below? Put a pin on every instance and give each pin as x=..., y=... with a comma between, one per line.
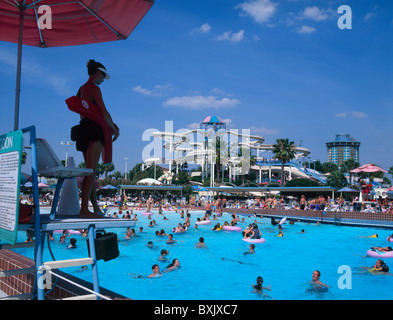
x=149, y=181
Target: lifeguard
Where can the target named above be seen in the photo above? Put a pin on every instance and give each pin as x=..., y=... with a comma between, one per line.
x=93, y=135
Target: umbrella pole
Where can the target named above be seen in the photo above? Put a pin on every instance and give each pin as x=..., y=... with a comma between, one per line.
x=19, y=66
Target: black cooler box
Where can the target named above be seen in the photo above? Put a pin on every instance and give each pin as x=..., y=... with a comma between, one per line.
x=107, y=247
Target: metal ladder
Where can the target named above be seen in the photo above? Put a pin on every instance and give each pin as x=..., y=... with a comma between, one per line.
x=337, y=218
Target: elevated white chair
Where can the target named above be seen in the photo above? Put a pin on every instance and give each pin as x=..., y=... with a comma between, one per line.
x=49, y=166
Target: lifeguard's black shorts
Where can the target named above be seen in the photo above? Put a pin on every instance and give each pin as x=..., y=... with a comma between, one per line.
x=87, y=130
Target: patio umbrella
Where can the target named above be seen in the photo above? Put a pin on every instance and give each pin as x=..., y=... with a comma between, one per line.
x=109, y=187
x=43, y=185
x=346, y=189
x=368, y=168
x=24, y=177
x=56, y=23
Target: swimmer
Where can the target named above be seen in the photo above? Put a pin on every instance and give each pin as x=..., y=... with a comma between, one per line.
x=380, y=266
x=255, y=232
x=151, y=245
x=280, y=234
x=130, y=233
x=163, y=255
x=217, y=227
x=72, y=244
x=315, y=280
x=373, y=236
x=258, y=287
x=171, y=240
x=156, y=271
x=382, y=249
x=173, y=266
x=252, y=249
x=201, y=243
x=187, y=222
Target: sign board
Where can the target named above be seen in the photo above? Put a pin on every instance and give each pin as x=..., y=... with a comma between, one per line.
x=10, y=165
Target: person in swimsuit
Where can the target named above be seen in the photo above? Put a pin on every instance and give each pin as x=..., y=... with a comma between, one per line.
x=258, y=287
x=90, y=137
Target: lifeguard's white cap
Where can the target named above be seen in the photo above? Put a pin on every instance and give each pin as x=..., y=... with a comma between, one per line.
x=107, y=76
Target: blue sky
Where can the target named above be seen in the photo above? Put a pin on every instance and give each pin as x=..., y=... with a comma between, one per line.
x=282, y=69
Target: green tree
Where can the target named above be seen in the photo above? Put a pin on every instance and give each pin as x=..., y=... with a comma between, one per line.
x=283, y=150
x=349, y=165
x=391, y=171
x=328, y=167
x=108, y=168
x=337, y=179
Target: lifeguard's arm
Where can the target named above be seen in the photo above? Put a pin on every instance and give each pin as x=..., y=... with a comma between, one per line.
x=100, y=104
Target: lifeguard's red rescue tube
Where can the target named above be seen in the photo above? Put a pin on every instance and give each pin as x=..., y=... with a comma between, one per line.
x=91, y=111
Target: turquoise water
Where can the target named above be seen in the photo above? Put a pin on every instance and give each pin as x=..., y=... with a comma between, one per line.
x=222, y=271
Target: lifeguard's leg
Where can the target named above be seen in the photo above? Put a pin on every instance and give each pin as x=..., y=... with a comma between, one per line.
x=91, y=156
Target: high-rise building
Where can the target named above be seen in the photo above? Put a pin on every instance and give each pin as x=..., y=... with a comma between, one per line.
x=343, y=148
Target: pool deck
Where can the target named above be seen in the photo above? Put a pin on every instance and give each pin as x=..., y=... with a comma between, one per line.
x=341, y=218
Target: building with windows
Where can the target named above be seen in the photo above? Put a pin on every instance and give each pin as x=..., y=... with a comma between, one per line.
x=342, y=148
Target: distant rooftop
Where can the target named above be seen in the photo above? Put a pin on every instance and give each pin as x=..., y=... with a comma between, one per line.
x=344, y=137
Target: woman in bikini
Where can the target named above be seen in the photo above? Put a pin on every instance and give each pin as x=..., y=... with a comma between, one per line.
x=89, y=135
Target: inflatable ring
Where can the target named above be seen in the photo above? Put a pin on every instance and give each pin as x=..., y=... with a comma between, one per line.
x=261, y=240
x=231, y=228
x=204, y=222
x=391, y=239
x=147, y=213
x=282, y=221
x=379, y=254
x=68, y=231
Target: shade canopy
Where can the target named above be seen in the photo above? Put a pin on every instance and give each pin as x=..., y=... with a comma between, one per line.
x=56, y=23
x=150, y=182
x=349, y=190
x=368, y=168
x=212, y=120
x=72, y=22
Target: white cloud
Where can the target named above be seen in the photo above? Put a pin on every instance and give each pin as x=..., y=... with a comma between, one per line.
x=260, y=10
x=158, y=91
x=316, y=14
x=231, y=36
x=201, y=102
x=306, y=29
x=36, y=73
x=357, y=114
x=352, y=114
x=369, y=16
x=263, y=131
x=205, y=28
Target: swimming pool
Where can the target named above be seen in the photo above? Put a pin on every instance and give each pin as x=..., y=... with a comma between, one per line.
x=223, y=272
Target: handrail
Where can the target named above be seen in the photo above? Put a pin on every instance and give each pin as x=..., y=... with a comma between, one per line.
x=78, y=285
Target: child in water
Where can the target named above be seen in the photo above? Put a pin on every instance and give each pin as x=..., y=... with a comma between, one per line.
x=258, y=287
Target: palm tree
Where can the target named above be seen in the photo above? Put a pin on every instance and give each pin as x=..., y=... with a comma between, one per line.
x=349, y=165
x=283, y=150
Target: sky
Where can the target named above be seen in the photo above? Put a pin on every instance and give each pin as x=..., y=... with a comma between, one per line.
x=283, y=69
